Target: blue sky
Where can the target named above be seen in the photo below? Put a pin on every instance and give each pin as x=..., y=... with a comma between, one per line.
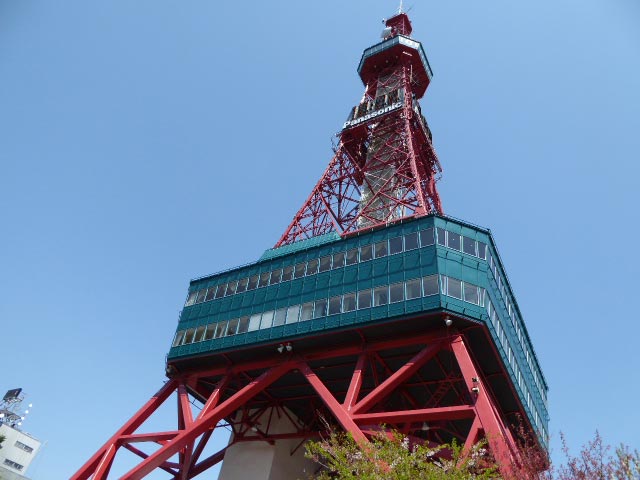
x=146, y=143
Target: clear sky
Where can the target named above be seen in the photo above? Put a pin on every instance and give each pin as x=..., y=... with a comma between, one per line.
x=147, y=142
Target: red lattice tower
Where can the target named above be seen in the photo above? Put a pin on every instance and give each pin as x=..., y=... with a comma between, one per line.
x=385, y=167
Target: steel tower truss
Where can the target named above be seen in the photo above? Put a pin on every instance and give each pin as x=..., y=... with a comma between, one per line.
x=384, y=168
x=358, y=387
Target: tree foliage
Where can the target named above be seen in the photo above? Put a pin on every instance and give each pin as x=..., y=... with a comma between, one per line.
x=391, y=456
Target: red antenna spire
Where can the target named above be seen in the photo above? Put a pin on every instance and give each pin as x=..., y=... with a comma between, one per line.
x=385, y=168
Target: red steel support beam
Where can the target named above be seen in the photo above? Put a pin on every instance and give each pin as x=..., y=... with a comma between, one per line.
x=422, y=415
x=138, y=419
x=201, y=425
x=356, y=382
x=498, y=435
x=332, y=404
x=402, y=374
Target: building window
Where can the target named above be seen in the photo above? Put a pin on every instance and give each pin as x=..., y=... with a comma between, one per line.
x=24, y=447
x=307, y=312
x=426, y=237
x=469, y=246
x=279, y=317
x=380, y=296
x=413, y=289
x=325, y=263
x=298, y=271
x=352, y=256
x=335, y=303
x=454, y=288
x=364, y=299
x=366, y=253
x=395, y=245
x=320, y=308
x=430, y=285
x=453, y=240
x=338, y=259
x=396, y=292
x=13, y=464
x=381, y=249
x=312, y=267
x=349, y=302
x=411, y=241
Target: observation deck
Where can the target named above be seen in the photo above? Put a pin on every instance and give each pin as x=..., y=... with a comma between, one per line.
x=407, y=277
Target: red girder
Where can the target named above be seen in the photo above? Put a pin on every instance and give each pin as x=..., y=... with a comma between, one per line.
x=360, y=417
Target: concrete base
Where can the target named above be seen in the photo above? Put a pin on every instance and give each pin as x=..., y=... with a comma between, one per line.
x=258, y=460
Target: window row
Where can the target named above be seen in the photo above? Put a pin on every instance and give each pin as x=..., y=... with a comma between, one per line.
x=368, y=298
x=461, y=243
x=392, y=246
x=12, y=464
x=468, y=292
x=23, y=446
x=518, y=326
x=515, y=366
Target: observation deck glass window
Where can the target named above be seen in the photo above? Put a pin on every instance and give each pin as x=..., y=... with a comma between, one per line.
x=380, y=296
x=338, y=259
x=366, y=253
x=293, y=312
x=299, y=270
x=253, y=282
x=396, y=292
x=243, y=324
x=454, y=288
x=201, y=294
x=411, y=241
x=222, y=328
x=242, y=285
x=442, y=236
x=364, y=299
x=312, y=267
x=395, y=245
x=178, y=339
x=254, y=322
x=349, y=302
x=307, y=312
x=231, y=288
x=352, y=256
x=471, y=294
x=279, y=317
x=469, y=246
x=220, y=290
x=287, y=273
x=413, y=289
x=426, y=237
x=276, y=275
x=264, y=279
x=381, y=249
x=430, y=285
x=211, y=291
x=335, y=304
x=453, y=240
x=211, y=330
x=232, y=329
x=198, y=337
x=267, y=319
x=188, y=337
x=320, y=309
x=482, y=250
x=325, y=264
x=191, y=299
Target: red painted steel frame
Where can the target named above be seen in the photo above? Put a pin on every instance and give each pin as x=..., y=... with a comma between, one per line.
x=384, y=168
x=361, y=412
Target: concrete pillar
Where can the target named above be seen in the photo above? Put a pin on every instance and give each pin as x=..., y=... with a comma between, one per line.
x=258, y=460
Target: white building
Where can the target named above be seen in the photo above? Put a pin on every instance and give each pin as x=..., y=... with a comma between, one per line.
x=16, y=453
